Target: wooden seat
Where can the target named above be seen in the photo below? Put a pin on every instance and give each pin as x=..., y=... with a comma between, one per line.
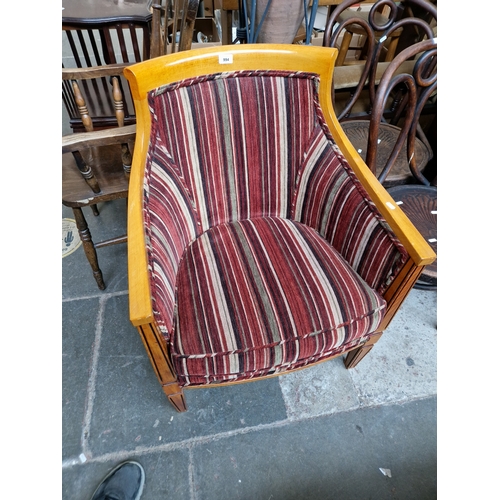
x=96, y=164
x=419, y=203
x=358, y=133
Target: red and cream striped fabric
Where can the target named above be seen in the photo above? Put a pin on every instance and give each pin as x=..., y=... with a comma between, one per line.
x=331, y=199
x=265, y=252
x=263, y=295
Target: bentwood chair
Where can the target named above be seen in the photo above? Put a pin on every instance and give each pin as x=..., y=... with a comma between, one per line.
x=259, y=241
x=96, y=163
x=387, y=147
x=355, y=102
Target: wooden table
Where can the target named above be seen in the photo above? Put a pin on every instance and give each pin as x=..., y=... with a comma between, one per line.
x=227, y=6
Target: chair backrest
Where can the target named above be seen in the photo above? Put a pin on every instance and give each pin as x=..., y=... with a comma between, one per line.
x=266, y=162
x=403, y=96
x=102, y=33
x=97, y=97
x=218, y=106
x=173, y=26
x=94, y=89
x=95, y=36
x=107, y=43
x=413, y=20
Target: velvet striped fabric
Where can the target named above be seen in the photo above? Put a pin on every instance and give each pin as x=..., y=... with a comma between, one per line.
x=262, y=295
x=331, y=199
x=244, y=188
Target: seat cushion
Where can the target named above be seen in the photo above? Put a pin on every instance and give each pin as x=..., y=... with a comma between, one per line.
x=265, y=295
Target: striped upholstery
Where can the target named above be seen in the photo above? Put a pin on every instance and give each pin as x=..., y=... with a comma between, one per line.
x=331, y=199
x=265, y=252
x=263, y=295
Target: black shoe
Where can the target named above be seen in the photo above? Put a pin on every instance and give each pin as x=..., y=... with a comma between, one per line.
x=124, y=482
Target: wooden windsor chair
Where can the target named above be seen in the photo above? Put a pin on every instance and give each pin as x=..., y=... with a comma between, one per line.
x=96, y=163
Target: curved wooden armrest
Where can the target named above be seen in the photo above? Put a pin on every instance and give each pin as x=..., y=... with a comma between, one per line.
x=418, y=249
x=117, y=135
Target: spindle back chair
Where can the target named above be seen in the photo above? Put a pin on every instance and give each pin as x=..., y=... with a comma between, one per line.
x=96, y=163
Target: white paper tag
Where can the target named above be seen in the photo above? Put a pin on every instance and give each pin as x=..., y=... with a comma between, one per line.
x=225, y=58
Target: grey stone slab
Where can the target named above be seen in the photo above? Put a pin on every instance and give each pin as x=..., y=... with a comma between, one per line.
x=167, y=476
x=77, y=277
x=403, y=363
x=320, y=389
x=78, y=334
x=131, y=412
x=401, y=366
x=331, y=457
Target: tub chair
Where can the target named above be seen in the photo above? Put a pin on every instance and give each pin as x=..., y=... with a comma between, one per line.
x=259, y=241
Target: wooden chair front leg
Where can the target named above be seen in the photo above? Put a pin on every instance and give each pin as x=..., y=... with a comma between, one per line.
x=158, y=355
x=88, y=246
x=395, y=296
x=356, y=355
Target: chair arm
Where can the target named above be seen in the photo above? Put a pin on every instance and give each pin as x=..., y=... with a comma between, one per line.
x=158, y=236
x=355, y=213
x=419, y=251
x=93, y=72
x=117, y=135
x=330, y=199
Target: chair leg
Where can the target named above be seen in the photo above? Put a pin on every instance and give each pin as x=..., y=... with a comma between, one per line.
x=356, y=355
x=178, y=401
x=95, y=210
x=88, y=246
x=160, y=360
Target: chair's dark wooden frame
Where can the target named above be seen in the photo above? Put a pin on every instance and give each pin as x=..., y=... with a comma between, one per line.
x=105, y=40
x=357, y=108
x=85, y=184
x=374, y=60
